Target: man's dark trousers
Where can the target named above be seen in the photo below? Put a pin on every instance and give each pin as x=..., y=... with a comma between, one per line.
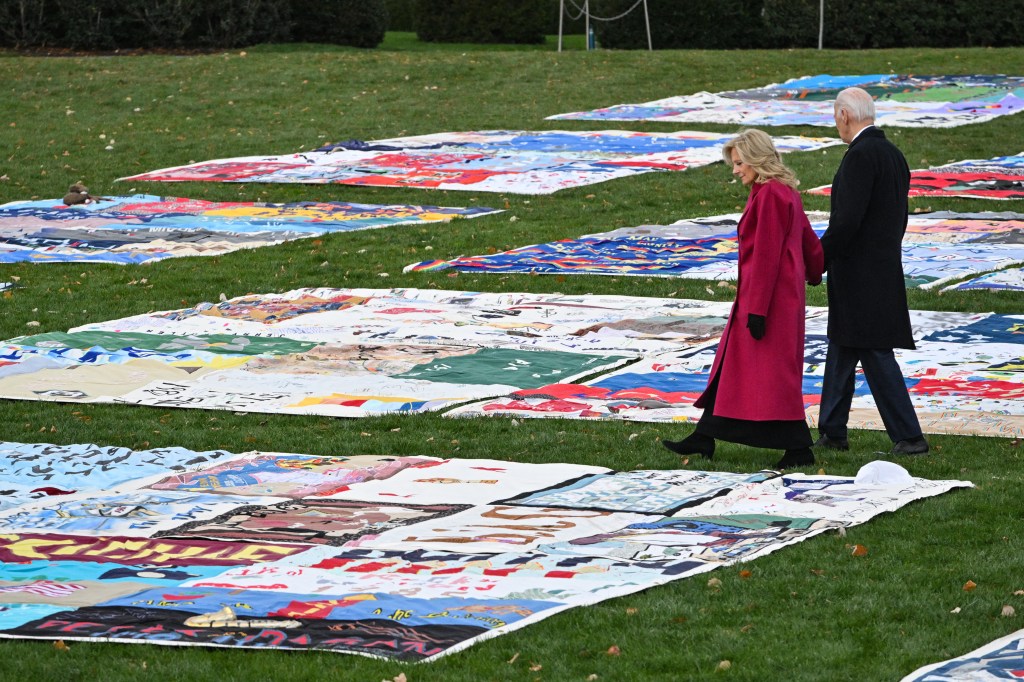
x=885, y=380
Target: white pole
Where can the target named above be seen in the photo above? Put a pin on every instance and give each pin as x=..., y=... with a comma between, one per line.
x=586, y=30
x=821, y=24
x=647, y=19
x=561, y=17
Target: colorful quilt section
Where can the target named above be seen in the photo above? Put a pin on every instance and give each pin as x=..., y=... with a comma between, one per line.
x=1010, y=279
x=518, y=162
x=1001, y=177
x=309, y=352
x=937, y=248
x=403, y=579
x=1002, y=659
x=143, y=228
x=346, y=353
x=944, y=101
x=963, y=378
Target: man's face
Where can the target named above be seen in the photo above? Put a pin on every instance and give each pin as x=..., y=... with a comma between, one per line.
x=842, y=119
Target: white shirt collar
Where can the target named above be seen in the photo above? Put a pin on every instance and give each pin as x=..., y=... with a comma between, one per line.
x=861, y=131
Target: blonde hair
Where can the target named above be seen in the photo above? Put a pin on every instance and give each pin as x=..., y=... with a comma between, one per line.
x=756, y=149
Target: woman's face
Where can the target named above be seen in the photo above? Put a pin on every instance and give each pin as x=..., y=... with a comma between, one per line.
x=745, y=173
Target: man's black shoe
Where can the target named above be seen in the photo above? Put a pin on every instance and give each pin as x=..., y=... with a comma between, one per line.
x=831, y=443
x=911, y=446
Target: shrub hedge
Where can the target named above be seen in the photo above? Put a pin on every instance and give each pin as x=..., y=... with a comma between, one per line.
x=710, y=24
x=129, y=24
x=848, y=24
x=359, y=23
x=482, y=21
x=718, y=24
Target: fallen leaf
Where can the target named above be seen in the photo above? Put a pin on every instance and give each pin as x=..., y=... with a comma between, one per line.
x=613, y=651
x=59, y=645
x=1019, y=593
x=634, y=436
x=724, y=665
x=1008, y=611
x=817, y=571
x=591, y=677
x=747, y=628
x=956, y=610
x=33, y=323
x=631, y=611
x=859, y=550
x=715, y=584
x=745, y=574
x=970, y=585
x=535, y=667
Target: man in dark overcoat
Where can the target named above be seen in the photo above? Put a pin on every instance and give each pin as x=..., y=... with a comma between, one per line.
x=867, y=296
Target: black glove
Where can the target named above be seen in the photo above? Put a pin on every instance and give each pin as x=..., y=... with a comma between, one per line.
x=755, y=323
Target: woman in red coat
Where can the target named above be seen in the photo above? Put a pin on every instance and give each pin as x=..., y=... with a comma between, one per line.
x=754, y=394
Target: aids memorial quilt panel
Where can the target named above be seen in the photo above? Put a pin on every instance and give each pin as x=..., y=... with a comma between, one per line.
x=964, y=378
x=513, y=161
x=144, y=228
x=1002, y=659
x=1001, y=177
x=935, y=250
x=32, y=471
x=347, y=353
x=292, y=551
x=1011, y=279
x=944, y=101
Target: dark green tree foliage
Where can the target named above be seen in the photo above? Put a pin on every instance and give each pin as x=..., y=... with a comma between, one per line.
x=572, y=24
x=849, y=24
x=401, y=15
x=94, y=25
x=359, y=23
x=482, y=21
x=26, y=23
x=862, y=24
x=162, y=23
x=679, y=24
x=236, y=23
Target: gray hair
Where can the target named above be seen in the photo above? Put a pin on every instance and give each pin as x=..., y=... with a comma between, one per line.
x=857, y=103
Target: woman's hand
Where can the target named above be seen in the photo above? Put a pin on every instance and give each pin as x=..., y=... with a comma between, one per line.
x=756, y=324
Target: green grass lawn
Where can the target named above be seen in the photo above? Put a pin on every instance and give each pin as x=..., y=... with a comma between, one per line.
x=810, y=612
